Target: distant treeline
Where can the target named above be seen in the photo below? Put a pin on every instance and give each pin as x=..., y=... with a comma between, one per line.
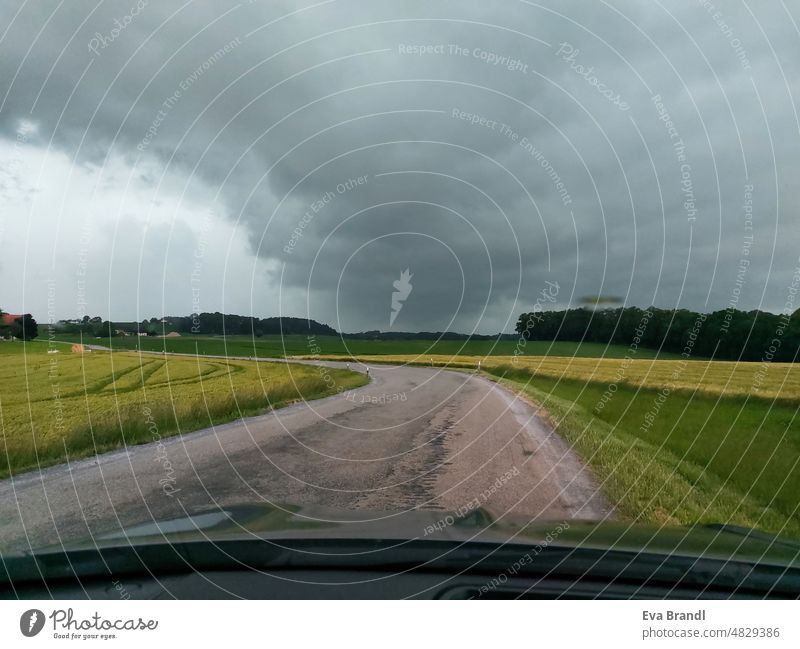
x=219, y=323
x=199, y=324
x=727, y=334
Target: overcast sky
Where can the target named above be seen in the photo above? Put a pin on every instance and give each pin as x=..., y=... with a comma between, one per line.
x=168, y=157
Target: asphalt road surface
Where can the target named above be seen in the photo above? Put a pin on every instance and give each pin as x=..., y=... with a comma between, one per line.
x=414, y=438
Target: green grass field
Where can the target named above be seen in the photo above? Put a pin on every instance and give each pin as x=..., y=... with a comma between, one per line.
x=71, y=405
x=298, y=345
x=700, y=459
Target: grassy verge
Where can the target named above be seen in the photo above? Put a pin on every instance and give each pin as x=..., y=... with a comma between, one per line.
x=68, y=406
x=683, y=459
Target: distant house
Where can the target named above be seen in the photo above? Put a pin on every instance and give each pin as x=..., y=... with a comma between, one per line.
x=7, y=320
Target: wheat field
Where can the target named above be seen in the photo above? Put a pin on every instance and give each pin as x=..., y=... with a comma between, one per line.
x=54, y=406
x=710, y=378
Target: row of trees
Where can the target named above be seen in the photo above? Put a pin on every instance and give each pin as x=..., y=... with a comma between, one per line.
x=727, y=334
x=219, y=323
x=198, y=323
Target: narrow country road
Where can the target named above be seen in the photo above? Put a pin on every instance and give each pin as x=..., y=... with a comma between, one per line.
x=414, y=438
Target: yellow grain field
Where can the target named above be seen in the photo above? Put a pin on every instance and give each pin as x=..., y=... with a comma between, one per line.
x=74, y=404
x=730, y=379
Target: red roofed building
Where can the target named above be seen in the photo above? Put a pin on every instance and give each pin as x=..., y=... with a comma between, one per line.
x=8, y=318
x=21, y=326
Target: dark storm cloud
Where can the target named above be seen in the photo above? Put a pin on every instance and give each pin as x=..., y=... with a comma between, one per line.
x=488, y=168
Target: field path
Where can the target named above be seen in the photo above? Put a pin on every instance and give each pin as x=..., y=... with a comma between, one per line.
x=413, y=438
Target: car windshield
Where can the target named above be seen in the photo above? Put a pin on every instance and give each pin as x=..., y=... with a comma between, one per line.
x=416, y=271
